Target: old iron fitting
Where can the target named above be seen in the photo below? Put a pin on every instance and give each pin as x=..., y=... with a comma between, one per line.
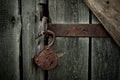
x=47, y=59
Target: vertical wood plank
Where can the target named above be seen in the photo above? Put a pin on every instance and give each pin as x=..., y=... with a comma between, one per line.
x=10, y=30
x=105, y=58
x=28, y=39
x=73, y=65
x=31, y=27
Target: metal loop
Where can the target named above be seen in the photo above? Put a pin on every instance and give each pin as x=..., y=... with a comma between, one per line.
x=52, y=34
x=47, y=33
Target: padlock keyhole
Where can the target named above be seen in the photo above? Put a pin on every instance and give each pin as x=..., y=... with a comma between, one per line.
x=51, y=63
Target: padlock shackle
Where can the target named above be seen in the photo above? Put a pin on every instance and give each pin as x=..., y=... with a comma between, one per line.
x=51, y=34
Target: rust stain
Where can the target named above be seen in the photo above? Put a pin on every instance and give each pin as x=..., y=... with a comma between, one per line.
x=78, y=30
x=47, y=59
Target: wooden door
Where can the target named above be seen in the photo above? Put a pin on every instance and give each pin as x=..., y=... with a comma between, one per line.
x=81, y=58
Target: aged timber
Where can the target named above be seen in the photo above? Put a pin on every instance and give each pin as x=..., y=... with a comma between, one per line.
x=105, y=58
x=108, y=12
x=10, y=30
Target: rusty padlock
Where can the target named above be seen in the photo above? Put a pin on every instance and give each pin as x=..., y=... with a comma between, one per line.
x=47, y=59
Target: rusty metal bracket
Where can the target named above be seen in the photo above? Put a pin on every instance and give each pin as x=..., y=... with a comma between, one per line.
x=72, y=30
x=78, y=30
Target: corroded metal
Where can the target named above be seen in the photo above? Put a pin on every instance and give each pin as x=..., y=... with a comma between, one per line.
x=78, y=30
x=47, y=59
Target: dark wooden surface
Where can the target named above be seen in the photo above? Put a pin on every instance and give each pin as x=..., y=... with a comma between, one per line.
x=108, y=12
x=10, y=30
x=105, y=58
x=73, y=63
x=80, y=58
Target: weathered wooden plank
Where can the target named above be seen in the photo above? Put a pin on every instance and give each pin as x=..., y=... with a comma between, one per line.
x=28, y=39
x=108, y=12
x=31, y=27
x=10, y=29
x=105, y=58
x=73, y=65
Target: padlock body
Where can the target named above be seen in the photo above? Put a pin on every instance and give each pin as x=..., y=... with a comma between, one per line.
x=47, y=59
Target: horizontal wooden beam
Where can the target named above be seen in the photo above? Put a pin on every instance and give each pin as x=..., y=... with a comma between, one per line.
x=78, y=30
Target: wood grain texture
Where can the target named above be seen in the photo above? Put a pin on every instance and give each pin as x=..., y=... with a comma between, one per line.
x=105, y=58
x=108, y=12
x=28, y=39
x=73, y=63
x=10, y=30
x=31, y=27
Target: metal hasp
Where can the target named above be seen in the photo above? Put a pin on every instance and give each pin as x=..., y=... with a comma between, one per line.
x=78, y=30
x=108, y=13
